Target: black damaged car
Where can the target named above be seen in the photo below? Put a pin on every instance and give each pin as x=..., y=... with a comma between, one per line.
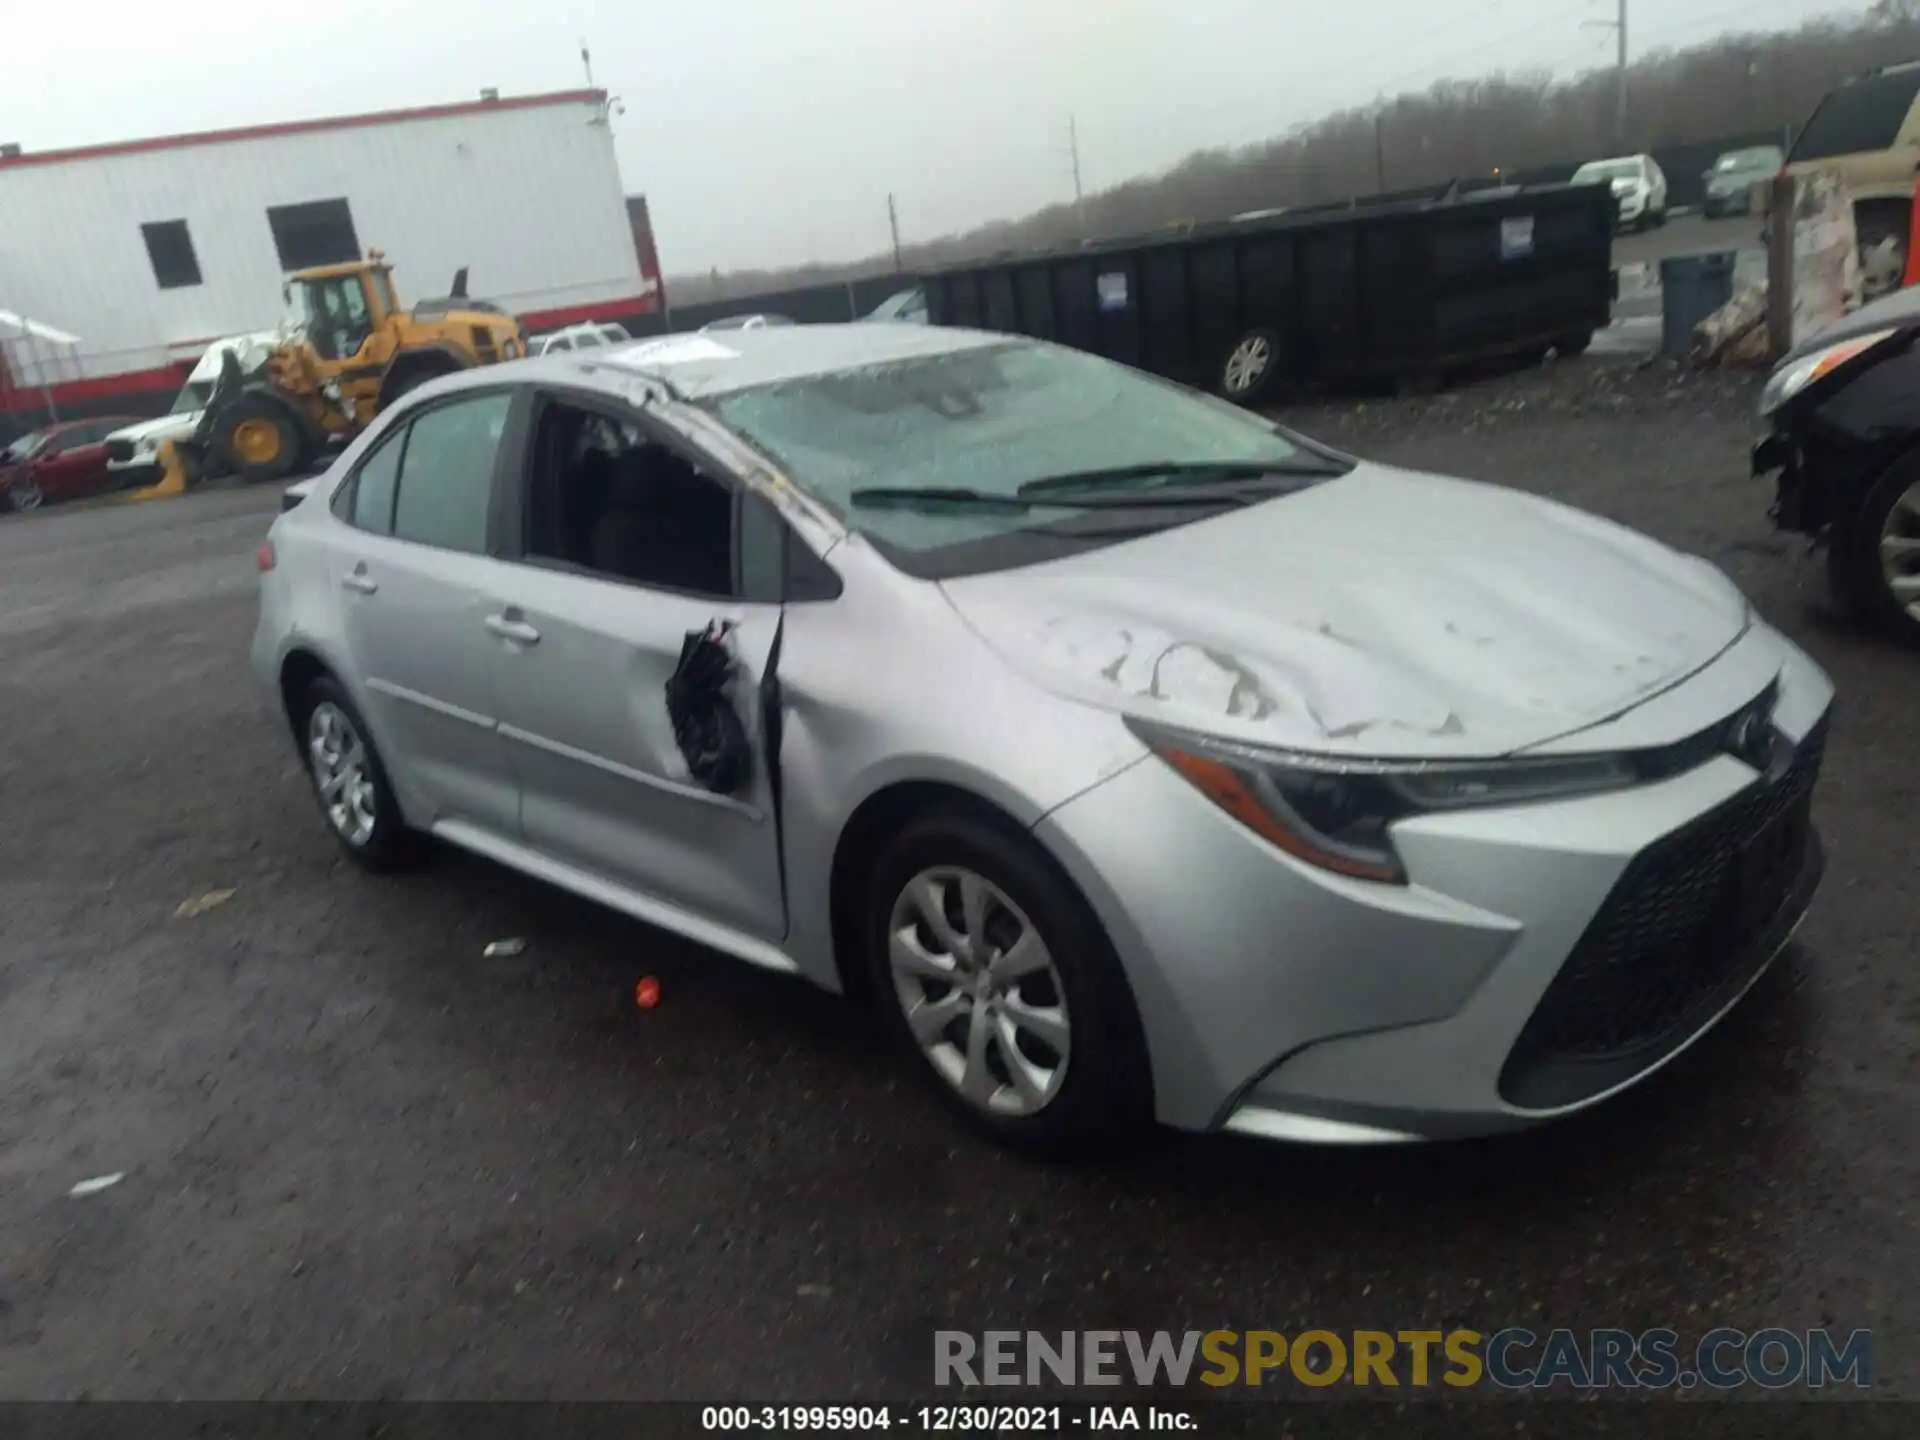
x=1843, y=411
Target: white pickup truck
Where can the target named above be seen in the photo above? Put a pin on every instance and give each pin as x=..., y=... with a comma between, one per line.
x=134, y=450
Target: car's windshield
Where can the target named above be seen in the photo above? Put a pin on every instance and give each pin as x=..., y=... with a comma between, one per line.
x=193, y=396
x=1608, y=170
x=1748, y=160
x=991, y=420
x=25, y=446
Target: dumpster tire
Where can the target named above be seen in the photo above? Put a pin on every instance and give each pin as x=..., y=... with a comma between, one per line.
x=1251, y=367
x=1574, y=343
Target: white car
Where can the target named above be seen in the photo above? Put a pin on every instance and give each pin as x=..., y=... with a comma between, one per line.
x=134, y=449
x=578, y=337
x=1639, y=188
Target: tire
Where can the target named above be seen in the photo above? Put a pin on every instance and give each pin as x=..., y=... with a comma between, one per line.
x=257, y=438
x=1863, y=564
x=24, y=495
x=1250, y=368
x=1090, y=1090
x=370, y=829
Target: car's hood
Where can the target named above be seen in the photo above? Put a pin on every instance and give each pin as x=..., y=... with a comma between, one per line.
x=165, y=427
x=1732, y=181
x=1385, y=613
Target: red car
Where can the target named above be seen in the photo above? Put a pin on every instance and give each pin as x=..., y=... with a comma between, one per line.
x=58, y=462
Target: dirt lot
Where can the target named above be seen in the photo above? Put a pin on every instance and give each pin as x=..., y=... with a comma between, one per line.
x=362, y=1161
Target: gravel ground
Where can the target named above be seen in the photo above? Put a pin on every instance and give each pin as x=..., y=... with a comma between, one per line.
x=362, y=1161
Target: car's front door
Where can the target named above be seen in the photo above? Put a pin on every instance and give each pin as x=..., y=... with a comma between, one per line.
x=584, y=648
x=72, y=463
x=415, y=584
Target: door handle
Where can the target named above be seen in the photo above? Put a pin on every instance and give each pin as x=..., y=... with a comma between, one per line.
x=358, y=579
x=508, y=626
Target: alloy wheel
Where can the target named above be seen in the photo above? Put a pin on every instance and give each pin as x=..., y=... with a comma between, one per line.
x=342, y=773
x=1900, y=551
x=25, y=495
x=980, y=991
x=1248, y=363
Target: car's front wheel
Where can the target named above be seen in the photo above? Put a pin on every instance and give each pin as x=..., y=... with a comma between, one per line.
x=1875, y=559
x=349, y=780
x=24, y=495
x=994, y=969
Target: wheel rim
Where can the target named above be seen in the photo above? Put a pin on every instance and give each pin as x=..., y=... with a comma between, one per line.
x=257, y=441
x=25, y=495
x=342, y=773
x=1900, y=551
x=1248, y=363
x=980, y=991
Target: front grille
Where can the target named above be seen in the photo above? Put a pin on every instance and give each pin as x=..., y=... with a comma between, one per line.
x=119, y=450
x=1688, y=924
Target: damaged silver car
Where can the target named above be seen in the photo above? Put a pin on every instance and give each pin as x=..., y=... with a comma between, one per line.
x=1139, y=758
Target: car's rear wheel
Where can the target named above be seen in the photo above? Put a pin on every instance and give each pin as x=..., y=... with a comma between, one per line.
x=993, y=968
x=24, y=495
x=349, y=780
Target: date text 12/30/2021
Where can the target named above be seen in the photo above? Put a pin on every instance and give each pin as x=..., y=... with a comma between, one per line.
x=945, y=1419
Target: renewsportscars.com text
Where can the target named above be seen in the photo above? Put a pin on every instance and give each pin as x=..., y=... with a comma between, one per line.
x=1514, y=1358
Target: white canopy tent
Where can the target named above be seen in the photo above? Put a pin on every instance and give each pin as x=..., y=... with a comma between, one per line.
x=36, y=356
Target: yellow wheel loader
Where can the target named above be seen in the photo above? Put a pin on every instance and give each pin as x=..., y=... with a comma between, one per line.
x=351, y=351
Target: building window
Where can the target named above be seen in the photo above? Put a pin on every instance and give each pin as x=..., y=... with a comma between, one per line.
x=318, y=233
x=170, y=249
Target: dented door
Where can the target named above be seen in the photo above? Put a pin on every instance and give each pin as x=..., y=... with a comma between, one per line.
x=581, y=668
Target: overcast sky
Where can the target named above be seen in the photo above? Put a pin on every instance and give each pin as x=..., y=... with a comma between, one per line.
x=769, y=132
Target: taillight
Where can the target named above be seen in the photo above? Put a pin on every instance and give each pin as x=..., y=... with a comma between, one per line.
x=264, y=556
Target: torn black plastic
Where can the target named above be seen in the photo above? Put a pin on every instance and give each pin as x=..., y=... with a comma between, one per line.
x=706, y=727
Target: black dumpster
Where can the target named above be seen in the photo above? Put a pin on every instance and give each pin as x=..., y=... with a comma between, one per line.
x=1402, y=287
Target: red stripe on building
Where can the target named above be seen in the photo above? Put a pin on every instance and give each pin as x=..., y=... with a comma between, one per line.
x=298, y=127
x=18, y=399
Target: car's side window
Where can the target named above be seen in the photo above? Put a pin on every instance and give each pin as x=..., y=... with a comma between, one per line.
x=446, y=476
x=366, y=502
x=606, y=498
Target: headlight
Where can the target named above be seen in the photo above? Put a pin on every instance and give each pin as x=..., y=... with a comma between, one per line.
x=1790, y=380
x=1336, y=813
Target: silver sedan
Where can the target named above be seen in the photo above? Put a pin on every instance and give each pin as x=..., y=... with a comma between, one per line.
x=1139, y=758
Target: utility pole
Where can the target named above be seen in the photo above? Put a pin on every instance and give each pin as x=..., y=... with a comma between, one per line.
x=1619, y=28
x=893, y=222
x=586, y=60
x=1079, y=196
x=1380, y=151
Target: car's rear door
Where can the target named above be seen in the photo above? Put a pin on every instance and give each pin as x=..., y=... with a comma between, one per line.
x=581, y=677
x=413, y=573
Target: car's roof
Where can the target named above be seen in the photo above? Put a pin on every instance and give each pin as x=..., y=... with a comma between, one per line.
x=700, y=365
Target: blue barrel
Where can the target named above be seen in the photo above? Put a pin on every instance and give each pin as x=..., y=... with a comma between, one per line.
x=1692, y=287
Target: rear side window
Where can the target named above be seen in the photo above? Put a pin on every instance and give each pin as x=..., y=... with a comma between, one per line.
x=446, y=477
x=371, y=495
x=1866, y=115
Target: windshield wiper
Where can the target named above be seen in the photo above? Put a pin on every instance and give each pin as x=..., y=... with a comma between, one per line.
x=1181, y=472
x=940, y=497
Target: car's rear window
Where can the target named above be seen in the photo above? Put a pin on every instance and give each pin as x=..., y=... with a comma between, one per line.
x=1863, y=116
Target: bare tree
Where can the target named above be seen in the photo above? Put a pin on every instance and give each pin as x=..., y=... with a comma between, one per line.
x=1511, y=124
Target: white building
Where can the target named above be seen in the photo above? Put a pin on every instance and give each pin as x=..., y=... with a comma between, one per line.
x=145, y=250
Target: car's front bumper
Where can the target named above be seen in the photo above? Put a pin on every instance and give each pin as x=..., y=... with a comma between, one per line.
x=1283, y=1001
